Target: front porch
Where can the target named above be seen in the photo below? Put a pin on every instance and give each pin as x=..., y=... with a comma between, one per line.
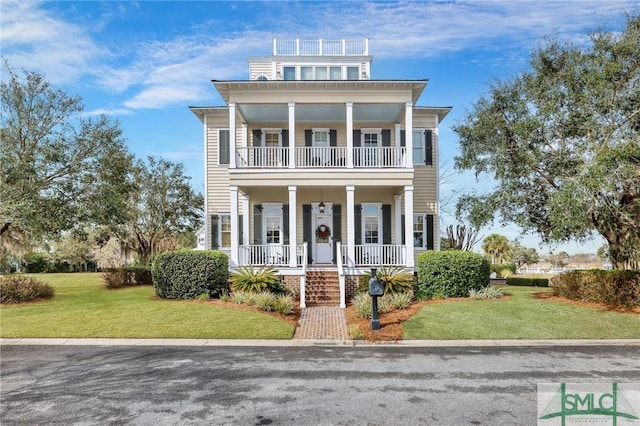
x=364, y=256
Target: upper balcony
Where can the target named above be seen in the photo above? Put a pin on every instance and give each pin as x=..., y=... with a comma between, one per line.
x=321, y=157
x=320, y=47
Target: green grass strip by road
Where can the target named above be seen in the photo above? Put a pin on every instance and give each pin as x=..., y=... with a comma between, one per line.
x=519, y=317
x=82, y=307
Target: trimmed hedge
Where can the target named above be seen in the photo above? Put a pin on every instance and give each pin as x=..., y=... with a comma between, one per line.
x=613, y=288
x=524, y=281
x=499, y=267
x=19, y=288
x=127, y=276
x=451, y=273
x=189, y=274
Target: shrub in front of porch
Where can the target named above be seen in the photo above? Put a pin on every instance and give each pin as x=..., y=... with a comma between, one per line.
x=394, y=279
x=387, y=303
x=251, y=280
x=451, y=273
x=188, y=274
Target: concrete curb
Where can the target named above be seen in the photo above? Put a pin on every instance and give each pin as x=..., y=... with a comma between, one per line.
x=310, y=342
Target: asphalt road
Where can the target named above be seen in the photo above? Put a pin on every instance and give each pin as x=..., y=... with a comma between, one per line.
x=302, y=385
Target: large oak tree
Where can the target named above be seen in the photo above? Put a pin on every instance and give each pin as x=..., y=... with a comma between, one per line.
x=161, y=205
x=561, y=140
x=58, y=168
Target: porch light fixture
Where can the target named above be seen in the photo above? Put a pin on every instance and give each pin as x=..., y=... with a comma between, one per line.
x=321, y=205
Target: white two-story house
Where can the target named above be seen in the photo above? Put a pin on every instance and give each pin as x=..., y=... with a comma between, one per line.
x=320, y=170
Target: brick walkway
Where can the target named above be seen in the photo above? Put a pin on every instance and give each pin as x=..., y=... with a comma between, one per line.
x=322, y=323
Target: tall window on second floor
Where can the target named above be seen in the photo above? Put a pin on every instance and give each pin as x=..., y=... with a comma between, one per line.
x=422, y=145
x=223, y=146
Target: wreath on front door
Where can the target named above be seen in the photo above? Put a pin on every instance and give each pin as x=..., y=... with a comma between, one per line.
x=323, y=231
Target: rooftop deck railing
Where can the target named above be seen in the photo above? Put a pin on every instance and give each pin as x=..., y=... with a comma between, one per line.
x=320, y=47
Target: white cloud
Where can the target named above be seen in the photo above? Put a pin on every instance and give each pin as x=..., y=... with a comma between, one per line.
x=158, y=74
x=36, y=40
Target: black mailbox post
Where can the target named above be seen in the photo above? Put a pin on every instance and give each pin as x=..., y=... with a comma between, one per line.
x=375, y=290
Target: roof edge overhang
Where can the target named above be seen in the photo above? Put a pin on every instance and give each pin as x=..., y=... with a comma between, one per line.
x=201, y=111
x=225, y=87
x=441, y=112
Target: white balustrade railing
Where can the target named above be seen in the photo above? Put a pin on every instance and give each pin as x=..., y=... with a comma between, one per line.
x=265, y=254
x=384, y=156
x=318, y=157
x=313, y=156
x=375, y=255
x=262, y=157
x=320, y=47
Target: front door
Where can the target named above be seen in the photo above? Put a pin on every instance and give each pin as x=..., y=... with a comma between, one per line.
x=323, y=238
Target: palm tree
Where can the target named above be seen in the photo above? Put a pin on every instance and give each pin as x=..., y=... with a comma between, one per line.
x=496, y=246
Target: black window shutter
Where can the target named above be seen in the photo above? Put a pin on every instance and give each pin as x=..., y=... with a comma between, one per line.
x=403, y=138
x=386, y=224
x=430, y=232
x=357, y=222
x=428, y=151
x=357, y=134
x=257, y=224
x=333, y=137
x=214, y=232
x=306, y=229
x=337, y=228
x=223, y=147
x=285, y=138
x=402, y=225
x=308, y=137
x=386, y=137
x=285, y=224
x=240, y=230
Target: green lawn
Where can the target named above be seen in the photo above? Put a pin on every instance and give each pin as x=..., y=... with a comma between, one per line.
x=82, y=307
x=520, y=317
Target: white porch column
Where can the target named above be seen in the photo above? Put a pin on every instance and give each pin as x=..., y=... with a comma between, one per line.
x=436, y=222
x=232, y=135
x=245, y=220
x=408, y=131
x=292, y=135
x=233, y=190
x=349, y=135
x=293, y=219
x=351, y=220
x=207, y=221
x=408, y=225
x=398, y=212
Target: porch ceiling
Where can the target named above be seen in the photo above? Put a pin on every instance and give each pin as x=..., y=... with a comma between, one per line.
x=322, y=112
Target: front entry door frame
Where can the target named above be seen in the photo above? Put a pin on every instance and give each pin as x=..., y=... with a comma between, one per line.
x=322, y=247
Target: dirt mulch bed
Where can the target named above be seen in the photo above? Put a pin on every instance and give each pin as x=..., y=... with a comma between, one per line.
x=547, y=295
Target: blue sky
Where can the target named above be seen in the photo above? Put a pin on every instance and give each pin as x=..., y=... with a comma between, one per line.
x=144, y=62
